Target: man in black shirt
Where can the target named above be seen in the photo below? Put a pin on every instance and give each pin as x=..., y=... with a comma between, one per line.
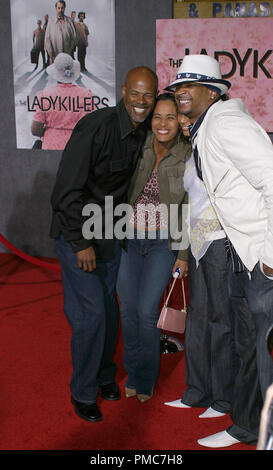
x=98, y=161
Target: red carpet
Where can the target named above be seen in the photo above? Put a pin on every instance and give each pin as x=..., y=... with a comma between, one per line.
x=35, y=409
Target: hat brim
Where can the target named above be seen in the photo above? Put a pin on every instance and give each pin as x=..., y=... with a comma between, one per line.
x=223, y=85
x=60, y=77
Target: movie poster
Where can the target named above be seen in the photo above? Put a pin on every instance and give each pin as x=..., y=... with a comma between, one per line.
x=63, y=66
x=243, y=48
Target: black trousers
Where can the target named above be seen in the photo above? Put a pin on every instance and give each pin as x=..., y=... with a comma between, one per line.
x=252, y=300
x=209, y=339
x=82, y=55
x=42, y=52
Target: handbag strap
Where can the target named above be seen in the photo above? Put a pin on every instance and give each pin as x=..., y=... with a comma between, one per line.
x=171, y=289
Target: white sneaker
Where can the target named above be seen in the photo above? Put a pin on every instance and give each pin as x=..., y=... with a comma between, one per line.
x=220, y=439
x=211, y=413
x=177, y=404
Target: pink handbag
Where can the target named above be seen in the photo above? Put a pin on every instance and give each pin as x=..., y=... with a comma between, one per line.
x=171, y=319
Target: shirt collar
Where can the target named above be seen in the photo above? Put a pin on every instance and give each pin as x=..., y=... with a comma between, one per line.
x=177, y=148
x=57, y=19
x=195, y=126
x=126, y=127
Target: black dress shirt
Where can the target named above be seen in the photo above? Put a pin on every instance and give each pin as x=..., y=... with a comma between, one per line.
x=98, y=161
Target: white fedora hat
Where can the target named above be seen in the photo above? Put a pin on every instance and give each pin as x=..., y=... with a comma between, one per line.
x=202, y=69
x=64, y=69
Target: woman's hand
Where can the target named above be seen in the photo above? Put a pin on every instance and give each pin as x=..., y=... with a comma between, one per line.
x=183, y=266
x=87, y=259
x=37, y=128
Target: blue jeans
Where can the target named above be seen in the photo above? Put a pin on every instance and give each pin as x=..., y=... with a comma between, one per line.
x=252, y=300
x=145, y=271
x=91, y=307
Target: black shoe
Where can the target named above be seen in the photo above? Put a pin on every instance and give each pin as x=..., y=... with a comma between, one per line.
x=110, y=392
x=88, y=412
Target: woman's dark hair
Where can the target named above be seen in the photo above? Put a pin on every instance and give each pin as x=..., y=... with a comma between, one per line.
x=166, y=96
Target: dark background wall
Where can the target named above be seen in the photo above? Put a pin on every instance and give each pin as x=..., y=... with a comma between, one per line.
x=27, y=176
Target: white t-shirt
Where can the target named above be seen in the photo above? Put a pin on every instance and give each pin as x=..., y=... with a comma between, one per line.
x=203, y=223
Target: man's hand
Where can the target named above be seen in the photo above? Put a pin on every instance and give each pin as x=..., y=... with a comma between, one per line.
x=267, y=270
x=183, y=266
x=87, y=259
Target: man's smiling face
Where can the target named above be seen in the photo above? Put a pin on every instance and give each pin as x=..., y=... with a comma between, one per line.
x=193, y=99
x=139, y=96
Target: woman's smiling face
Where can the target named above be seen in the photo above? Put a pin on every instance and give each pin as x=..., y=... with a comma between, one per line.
x=165, y=121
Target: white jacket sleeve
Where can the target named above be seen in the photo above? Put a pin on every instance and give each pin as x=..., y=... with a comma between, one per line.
x=250, y=150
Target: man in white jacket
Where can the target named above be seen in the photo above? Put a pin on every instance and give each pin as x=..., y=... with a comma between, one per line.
x=234, y=158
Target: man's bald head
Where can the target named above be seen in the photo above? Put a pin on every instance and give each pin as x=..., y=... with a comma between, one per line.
x=139, y=93
x=144, y=72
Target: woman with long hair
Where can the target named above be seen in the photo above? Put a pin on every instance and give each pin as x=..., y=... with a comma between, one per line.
x=151, y=254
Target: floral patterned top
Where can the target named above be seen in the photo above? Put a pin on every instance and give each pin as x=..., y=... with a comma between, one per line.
x=148, y=213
